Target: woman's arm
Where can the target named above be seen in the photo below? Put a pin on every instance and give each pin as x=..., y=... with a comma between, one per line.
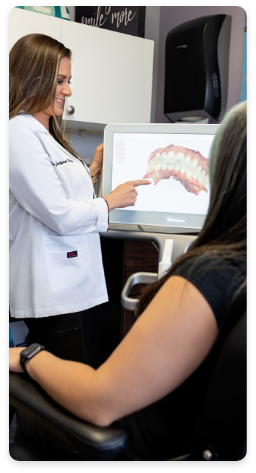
x=165, y=345
x=38, y=189
x=96, y=164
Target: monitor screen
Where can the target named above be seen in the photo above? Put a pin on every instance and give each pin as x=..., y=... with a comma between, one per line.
x=175, y=158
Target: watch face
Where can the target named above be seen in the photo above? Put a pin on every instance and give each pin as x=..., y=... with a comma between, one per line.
x=31, y=350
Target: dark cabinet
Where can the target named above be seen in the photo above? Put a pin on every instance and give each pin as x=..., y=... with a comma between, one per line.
x=138, y=256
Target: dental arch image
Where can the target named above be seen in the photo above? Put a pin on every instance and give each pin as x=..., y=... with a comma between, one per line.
x=185, y=165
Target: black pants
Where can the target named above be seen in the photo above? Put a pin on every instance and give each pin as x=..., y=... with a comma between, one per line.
x=61, y=335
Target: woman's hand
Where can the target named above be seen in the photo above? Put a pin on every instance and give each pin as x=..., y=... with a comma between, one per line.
x=96, y=165
x=14, y=359
x=125, y=194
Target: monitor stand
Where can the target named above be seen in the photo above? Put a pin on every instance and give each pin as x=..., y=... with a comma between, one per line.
x=170, y=247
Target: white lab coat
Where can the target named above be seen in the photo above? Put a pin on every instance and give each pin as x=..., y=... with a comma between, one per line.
x=55, y=255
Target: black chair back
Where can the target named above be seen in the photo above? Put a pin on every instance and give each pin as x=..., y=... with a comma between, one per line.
x=220, y=432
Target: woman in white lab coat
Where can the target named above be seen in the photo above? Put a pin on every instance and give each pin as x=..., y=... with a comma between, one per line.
x=56, y=270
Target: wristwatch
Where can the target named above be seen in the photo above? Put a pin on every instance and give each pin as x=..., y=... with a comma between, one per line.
x=29, y=352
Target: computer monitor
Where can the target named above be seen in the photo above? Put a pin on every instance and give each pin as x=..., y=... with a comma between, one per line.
x=175, y=157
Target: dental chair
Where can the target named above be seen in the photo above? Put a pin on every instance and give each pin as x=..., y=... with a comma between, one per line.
x=219, y=433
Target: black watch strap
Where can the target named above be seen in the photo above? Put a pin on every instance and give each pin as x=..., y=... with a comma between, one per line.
x=29, y=352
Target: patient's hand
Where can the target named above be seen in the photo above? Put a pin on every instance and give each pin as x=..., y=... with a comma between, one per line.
x=14, y=359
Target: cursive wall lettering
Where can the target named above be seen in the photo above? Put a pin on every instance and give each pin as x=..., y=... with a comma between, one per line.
x=122, y=16
x=99, y=21
x=117, y=18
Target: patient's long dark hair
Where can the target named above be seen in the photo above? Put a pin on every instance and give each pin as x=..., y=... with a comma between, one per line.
x=224, y=230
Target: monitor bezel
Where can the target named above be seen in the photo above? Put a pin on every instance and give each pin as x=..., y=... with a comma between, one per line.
x=118, y=216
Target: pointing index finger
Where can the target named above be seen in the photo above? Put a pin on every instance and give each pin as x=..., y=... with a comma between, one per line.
x=141, y=182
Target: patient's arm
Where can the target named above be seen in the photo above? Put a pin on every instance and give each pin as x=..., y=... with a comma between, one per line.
x=166, y=344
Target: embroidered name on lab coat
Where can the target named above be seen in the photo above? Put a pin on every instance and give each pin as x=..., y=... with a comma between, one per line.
x=57, y=163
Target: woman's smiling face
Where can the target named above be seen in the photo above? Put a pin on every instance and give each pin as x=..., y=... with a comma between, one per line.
x=63, y=89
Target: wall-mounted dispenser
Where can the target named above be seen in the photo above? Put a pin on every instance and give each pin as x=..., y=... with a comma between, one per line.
x=196, y=69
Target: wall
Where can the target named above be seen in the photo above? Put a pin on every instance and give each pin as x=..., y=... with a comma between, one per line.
x=152, y=31
x=173, y=16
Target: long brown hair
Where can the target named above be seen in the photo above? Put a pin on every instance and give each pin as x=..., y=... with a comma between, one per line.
x=33, y=71
x=224, y=230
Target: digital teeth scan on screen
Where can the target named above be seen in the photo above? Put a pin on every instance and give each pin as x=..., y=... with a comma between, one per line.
x=177, y=166
x=185, y=165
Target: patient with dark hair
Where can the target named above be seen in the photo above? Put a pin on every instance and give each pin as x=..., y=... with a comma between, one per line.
x=165, y=359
